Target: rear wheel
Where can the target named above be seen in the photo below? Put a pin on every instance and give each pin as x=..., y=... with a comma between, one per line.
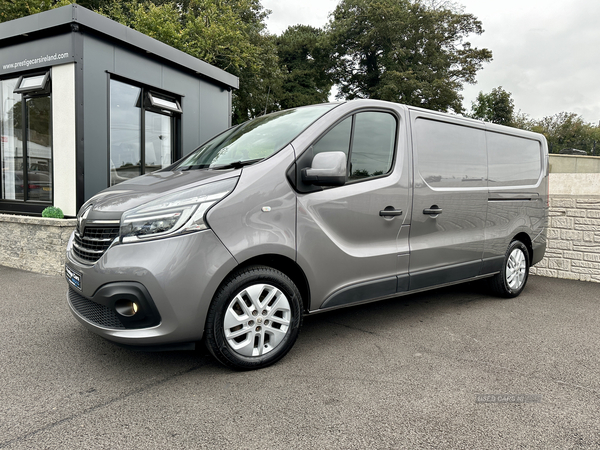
x=511, y=280
x=254, y=318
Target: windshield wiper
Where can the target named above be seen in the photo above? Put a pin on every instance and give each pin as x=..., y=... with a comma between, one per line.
x=237, y=164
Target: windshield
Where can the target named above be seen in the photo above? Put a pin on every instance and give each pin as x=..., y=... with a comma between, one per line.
x=254, y=140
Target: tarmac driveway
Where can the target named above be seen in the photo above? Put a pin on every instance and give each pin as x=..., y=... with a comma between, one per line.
x=452, y=368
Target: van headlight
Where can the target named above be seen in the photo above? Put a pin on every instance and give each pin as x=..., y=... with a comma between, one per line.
x=178, y=213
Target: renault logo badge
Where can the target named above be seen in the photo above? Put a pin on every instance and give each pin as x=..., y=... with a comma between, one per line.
x=81, y=220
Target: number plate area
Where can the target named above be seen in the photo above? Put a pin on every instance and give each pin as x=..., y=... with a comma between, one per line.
x=73, y=277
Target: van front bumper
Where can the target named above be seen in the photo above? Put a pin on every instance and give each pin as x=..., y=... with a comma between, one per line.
x=171, y=281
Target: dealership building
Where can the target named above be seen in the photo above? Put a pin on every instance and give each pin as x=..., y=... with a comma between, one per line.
x=87, y=103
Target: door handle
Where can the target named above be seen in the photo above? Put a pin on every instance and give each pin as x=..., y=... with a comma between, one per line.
x=433, y=211
x=390, y=212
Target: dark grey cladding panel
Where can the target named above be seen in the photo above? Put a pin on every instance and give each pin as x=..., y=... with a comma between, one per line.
x=214, y=111
x=100, y=24
x=39, y=53
x=135, y=66
x=150, y=45
x=36, y=22
x=98, y=58
x=206, y=106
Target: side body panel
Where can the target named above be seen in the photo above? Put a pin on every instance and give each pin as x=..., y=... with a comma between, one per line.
x=259, y=216
x=349, y=252
x=489, y=185
x=518, y=193
x=450, y=172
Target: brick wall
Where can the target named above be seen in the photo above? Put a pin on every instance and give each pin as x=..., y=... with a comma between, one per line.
x=36, y=244
x=573, y=250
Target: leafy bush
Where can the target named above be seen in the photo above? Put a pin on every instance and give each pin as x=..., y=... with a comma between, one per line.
x=53, y=212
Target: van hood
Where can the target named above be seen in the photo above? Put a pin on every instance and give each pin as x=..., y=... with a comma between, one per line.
x=111, y=203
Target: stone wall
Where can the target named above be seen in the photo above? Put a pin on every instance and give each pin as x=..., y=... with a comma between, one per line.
x=36, y=244
x=574, y=164
x=573, y=250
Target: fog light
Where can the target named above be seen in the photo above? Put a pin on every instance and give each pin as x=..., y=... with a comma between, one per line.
x=126, y=308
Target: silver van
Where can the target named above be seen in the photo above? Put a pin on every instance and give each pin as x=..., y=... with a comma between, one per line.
x=301, y=211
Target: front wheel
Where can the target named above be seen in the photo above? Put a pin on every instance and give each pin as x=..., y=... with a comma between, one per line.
x=515, y=270
x=254, y=318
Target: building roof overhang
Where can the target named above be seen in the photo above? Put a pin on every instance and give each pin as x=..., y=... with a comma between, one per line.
x=74, y=14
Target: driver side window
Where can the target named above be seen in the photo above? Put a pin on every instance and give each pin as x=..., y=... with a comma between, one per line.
x=368, y=139
x=337, y=139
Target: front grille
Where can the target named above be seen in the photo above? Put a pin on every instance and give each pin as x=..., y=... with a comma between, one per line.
x=95, y=241
x=97, y=314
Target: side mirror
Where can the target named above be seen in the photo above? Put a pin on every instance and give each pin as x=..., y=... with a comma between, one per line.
x=328, y=169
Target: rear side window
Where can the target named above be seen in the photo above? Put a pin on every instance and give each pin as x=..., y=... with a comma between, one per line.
x=450, y=155
x=513, y=161
x=368, y=139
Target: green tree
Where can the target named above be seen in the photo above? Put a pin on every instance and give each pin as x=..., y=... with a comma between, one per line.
x=568, y=130
x=13, y=9
x=260, y=81
x=405, y=51
x=306, y=63
x=496, y=107
x=522, y=121
x=162, y=22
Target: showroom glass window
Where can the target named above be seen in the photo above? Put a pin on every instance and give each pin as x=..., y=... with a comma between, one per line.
x=143, y=126
x=26, y=148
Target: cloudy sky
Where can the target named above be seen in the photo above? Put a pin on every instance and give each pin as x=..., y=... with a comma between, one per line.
x=545, y=52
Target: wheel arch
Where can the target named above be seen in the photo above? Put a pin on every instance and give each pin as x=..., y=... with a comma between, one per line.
x=287, y=266
x=526, y=240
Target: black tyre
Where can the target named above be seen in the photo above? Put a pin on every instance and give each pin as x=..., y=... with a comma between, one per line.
x=511, y=280
x=254, y=318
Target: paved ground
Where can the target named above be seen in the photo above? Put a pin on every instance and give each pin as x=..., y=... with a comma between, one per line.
x=403, y=373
